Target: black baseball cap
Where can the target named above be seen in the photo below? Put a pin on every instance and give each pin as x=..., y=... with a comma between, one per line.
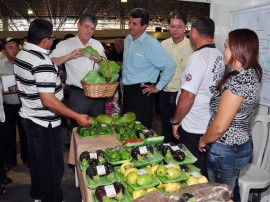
x=7, y=40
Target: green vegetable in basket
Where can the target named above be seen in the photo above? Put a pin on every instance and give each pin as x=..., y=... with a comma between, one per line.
x=104, y=68
x=114, y=77
x=90, y=50
x=128, y=118
x=93, y=77
x=104, y=119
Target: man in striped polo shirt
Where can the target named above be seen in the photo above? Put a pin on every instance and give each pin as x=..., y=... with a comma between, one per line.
x=40, y=91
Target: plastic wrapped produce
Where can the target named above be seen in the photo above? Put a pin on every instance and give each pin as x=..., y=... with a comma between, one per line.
x=194, y=193
x=204, y=192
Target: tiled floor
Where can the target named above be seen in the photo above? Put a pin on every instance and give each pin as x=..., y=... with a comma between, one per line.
x=18, y=191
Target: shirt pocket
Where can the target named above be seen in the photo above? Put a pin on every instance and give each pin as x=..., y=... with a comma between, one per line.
x=139, y=61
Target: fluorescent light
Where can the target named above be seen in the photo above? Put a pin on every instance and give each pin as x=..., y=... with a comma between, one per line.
x=123, y=1
x=30, y=11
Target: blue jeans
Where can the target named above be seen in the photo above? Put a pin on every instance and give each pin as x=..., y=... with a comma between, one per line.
x=226, y=161
x=46, y=161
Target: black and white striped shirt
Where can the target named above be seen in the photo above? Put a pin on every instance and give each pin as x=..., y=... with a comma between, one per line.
x=36, y=73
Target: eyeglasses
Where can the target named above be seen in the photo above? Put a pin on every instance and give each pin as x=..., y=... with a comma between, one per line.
x=176, y=27
x=51, y=37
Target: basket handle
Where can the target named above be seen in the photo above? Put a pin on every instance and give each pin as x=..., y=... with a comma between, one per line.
x=109, y=67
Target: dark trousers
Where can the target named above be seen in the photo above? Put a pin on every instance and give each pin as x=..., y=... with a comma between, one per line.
x=167, y=108
x=9, y=132
x=191, y=141
x=134, y=100
x=84, y=105
x=2, y=153
x=46, y=161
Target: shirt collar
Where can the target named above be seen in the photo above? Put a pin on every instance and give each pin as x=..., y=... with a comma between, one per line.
x=140, y=39
x=79, y=41
x=30, y=46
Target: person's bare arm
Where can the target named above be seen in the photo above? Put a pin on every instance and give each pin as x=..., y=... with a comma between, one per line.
x=227, y=108
x=52, y=103
x=73, y=55
x=184, y=104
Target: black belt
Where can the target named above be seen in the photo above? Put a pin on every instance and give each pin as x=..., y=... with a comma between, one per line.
x=138, y=85
x=76, y=88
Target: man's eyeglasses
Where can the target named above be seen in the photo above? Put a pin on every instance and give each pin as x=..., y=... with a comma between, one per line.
x=176, y=27
x=51, y=37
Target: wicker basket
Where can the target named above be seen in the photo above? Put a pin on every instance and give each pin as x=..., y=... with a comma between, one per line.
x=100, y=90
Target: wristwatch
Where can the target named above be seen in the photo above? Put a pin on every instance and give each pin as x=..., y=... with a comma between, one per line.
x=174, y=123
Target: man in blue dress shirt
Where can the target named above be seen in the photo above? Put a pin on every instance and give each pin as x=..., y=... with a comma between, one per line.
x=144, y=60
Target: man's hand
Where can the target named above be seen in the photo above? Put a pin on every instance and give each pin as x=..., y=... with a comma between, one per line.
x=76, y=53
x=83, y=120
x=149, y=89
x=96, y=59
x=175, y=131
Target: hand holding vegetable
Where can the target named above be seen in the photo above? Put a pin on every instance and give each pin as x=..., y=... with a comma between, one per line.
x=83, y=120
x=75, y=54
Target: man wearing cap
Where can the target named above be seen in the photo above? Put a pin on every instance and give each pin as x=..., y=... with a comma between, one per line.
x=12, y=104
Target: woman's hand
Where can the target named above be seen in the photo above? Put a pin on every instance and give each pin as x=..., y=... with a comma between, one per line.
x=202, y=145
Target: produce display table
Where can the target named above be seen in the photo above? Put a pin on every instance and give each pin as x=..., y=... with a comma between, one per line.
x=77, y=146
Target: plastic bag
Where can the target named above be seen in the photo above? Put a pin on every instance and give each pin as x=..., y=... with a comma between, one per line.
x=104, y=69
x=93, y=77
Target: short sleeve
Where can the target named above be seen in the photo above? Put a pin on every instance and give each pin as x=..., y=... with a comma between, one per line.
x=193, y=74
x=242, y=84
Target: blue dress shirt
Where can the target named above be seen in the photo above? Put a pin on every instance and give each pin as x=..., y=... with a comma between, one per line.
x=143, y=60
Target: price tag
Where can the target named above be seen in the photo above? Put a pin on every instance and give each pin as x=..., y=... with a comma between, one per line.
x=93, y=155
x=175, y=148
x=101, y=170
x=110, y=191
x=195, y=174
x=143, y=150
x=141, y=172
x=166, y=144
x=103, y=125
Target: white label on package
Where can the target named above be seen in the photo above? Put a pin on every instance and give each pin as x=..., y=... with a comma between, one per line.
x=93, y=155
x=101, y=170
x=143, y=150
x=195, y=174
x=141, y=172
x=110, y=191
x=170, y=165
x=175, y=148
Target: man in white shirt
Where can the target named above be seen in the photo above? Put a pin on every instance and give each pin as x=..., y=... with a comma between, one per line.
x=79, y=67
x=203, y=71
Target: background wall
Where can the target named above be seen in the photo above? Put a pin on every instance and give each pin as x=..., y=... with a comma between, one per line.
x=220, y=13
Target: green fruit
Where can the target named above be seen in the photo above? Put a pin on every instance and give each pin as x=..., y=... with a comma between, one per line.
x=104, y=119
x=150, y=189
x=144, y=180
x=173, y=173
x=132, y=177
x=161, y=170
x=110, y=177
x=137, y=193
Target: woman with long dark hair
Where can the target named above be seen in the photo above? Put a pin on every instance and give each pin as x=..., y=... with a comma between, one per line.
x=232, y=105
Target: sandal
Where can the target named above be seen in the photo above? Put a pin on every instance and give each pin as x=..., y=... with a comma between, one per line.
x=3, y=190
x=6, y=181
